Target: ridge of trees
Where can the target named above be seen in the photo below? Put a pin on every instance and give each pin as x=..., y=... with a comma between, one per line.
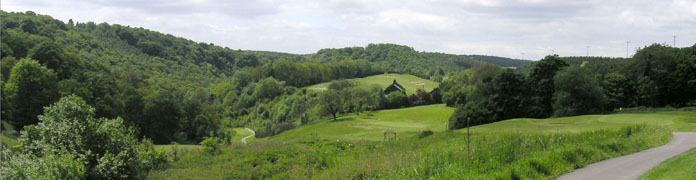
x=173, y=89
x=656, y=76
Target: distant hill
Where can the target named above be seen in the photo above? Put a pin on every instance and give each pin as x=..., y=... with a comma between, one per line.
x=410, y=82
x=500, y=61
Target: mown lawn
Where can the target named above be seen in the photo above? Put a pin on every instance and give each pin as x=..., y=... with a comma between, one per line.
x=241, y=133
x=681, y=167
x=684, y=121
x=410, y=82
x=371, y=125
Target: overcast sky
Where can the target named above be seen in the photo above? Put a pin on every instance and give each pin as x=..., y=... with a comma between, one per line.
x=528, y=29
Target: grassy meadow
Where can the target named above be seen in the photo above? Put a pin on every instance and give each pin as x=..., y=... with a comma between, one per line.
x=677, y=168
x=684, y=121
x=410, y=82
x=371, y=125
x=351, y=148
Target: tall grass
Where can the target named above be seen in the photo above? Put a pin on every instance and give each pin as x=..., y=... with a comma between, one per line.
x=440, y=156
x=505, y=156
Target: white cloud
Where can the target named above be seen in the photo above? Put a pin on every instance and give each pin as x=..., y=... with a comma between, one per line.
x=493, y=27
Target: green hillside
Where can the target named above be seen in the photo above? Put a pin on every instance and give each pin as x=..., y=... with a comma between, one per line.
x=370, y=126
x=511, y=149
x=675, y=120
x=410, y=82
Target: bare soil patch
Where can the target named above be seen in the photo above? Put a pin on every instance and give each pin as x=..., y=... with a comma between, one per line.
x=558, y=124
x=420, y=83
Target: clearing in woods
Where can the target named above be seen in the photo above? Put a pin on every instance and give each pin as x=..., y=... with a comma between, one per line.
x=410, y=82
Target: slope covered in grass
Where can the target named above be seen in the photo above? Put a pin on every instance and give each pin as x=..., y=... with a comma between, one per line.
x=679, y=167
x=444, y=155
x=410, y=82
x=675, y=120
x=371, y=125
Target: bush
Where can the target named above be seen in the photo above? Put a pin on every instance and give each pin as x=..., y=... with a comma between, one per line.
x=49, y=166
x=425, y=133
x=106, y=148
x=210, y=145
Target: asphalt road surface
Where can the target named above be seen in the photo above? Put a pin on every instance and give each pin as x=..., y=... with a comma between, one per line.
x=634, y=165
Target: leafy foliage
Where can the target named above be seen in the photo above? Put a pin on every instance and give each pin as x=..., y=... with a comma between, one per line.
x=72, y=143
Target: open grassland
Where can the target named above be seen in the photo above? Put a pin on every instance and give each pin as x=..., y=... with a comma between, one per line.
x=168, y=148
x=446, y=155
x=371, y=125
x=684, y=121
x=410, y=82
x=241, y=133
x=409, y=121
x=677, y=168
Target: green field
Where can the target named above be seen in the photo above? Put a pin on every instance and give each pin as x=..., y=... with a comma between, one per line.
x=351, y=147
x=677, y=168
x=410, y=82
x=676, y=120
x=168, y=148
x=371, y=125
x=241, y=133
x=409, y=121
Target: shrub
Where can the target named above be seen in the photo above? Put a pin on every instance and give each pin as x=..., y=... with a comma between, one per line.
x=48, y=166
x=210, y=145
x=106, y=148
x=425, y=133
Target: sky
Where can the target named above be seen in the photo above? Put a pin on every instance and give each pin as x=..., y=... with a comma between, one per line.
x=522, y=29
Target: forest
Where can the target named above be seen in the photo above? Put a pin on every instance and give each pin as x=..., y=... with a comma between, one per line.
x=656, y=76
x=185, y=88
x=132, y=88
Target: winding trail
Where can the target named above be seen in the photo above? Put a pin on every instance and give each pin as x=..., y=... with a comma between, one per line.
x=634, y=165
x=252, y=134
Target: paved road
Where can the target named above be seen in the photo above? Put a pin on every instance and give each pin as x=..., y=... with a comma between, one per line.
x=634, y=165
x=252, y=134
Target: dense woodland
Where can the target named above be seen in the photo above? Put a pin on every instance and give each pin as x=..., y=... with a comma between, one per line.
x=656, y=76
x=131, y=88
x=173, y=89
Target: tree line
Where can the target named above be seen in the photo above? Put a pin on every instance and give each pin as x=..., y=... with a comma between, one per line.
x=656, y=76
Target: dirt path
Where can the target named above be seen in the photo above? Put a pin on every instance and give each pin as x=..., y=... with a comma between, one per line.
x=634, y=165
x=252, y=134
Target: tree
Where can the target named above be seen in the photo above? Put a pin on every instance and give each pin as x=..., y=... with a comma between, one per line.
x=510, y=95
x=396, y=99
x=577, y=92
x=106, y=147
x=30, y=87
x=542, y=78
x=161, y=117
x=615, y=88
x=360, y=97
x=268, y=88
x=331, y=102
x=476, y=111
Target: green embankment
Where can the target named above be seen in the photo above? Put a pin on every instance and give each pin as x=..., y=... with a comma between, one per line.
x=678, y=168
x=410, y=82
